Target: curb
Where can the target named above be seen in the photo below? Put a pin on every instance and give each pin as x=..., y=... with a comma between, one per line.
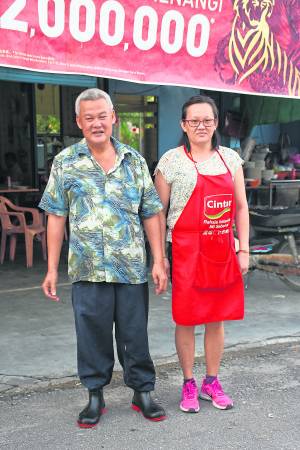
x=15, y=386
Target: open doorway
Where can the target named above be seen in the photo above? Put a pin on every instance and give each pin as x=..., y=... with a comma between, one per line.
x=137, y=124
x=16, y=138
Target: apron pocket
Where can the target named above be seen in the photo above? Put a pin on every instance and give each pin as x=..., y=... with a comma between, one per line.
x=216, y=275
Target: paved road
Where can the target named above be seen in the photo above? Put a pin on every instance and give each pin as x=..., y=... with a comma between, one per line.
x=38, y=339
x=264, y=382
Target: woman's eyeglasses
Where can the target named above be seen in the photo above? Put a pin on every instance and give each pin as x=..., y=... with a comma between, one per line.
x=194, y=123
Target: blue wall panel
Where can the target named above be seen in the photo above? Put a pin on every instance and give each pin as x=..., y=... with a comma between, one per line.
x=170, y=101
x=28, y=76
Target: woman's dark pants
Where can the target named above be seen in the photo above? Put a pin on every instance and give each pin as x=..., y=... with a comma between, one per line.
x=99, y=306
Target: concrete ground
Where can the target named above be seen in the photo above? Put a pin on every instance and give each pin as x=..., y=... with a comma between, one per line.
x=37, y=335
x=40, y=395
x=264, y=382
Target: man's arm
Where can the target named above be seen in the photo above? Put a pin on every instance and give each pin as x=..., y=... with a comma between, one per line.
x=153, y=232
x=55, y=235
x=164, y=190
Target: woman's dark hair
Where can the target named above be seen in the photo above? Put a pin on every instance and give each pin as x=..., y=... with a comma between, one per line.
x=200, y=99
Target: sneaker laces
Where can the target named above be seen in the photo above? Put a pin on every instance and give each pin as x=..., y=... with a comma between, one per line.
x=218, y=391
x=190, y=389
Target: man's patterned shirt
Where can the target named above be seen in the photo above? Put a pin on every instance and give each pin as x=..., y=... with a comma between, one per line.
x=105, y=212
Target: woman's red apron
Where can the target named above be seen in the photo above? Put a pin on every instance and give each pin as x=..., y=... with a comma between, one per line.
x=207, y=284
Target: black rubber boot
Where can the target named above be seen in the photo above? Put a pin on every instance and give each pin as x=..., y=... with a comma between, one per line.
x=142, y=402
x=90, y=415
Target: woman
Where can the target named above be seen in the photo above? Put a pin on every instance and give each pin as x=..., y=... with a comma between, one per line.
x=202, y=184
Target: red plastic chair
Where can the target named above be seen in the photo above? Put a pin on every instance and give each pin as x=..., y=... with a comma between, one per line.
x=12, y=228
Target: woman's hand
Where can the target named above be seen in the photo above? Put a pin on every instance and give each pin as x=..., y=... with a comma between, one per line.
x=243, y=259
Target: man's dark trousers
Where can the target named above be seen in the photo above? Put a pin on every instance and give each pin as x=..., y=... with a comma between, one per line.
x=97, y=307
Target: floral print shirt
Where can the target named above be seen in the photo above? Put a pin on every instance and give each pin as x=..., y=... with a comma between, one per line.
x=105, y=212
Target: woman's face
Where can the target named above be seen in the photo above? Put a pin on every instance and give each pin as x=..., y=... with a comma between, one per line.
x=199, y=124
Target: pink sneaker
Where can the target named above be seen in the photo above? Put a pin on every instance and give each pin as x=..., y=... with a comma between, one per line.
x=214, y=393
x=189, y=397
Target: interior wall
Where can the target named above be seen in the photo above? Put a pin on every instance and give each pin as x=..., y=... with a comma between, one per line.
x=15, y=126
x=47, y=99
x=266, y=134
x=292, y=129
x=171, y=99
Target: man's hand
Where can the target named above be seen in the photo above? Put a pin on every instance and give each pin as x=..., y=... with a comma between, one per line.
x=167, y=266
x=49, y=285
x=55, y=235
x=159, y=276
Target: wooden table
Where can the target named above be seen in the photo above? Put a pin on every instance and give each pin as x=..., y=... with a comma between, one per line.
x=271, y=188
x=13, y=192
x=7, y=190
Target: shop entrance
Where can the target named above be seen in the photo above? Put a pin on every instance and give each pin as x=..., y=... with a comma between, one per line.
x=16, y=133
x=55, y=124
x=137, y=124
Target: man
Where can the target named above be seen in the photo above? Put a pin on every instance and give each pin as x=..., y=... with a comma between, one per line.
x=105, y=189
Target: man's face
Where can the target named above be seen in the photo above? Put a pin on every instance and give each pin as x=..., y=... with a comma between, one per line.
x=96, y=119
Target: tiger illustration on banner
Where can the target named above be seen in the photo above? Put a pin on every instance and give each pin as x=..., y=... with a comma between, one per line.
x=254, y=53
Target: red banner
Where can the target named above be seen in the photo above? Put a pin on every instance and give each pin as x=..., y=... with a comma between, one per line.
x=240, y=45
